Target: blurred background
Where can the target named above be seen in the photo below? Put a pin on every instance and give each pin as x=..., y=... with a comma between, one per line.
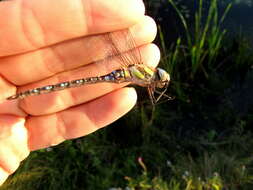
x=201, y=140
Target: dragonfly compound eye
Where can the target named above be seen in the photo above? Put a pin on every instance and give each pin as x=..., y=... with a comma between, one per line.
x=163, y=78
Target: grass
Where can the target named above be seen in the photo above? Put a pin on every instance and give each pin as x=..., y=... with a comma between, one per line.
x=202, y=140
x=201, y=48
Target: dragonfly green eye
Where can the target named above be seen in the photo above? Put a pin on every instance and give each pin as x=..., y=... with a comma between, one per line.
x=164, y=78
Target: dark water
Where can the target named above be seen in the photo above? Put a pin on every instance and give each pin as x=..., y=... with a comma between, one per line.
x=239, y=20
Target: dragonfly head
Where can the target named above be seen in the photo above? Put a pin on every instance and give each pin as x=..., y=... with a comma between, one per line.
x=163, y=78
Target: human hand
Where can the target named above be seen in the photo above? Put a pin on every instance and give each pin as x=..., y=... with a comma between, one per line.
x=45, y=42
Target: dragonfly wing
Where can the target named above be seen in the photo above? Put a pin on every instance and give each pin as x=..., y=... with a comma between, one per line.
x=121, y=42
x=110, y=45
x=135, y=55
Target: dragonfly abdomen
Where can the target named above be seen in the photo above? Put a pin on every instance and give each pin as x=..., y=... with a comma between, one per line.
x=116, y=76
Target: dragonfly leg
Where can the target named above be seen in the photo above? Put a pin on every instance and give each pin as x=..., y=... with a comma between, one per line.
x=161, y=94
x=151, y=95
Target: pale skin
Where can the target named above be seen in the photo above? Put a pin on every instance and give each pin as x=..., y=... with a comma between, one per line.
x=45, y=42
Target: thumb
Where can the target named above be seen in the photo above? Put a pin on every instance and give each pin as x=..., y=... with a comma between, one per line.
x=13, y=144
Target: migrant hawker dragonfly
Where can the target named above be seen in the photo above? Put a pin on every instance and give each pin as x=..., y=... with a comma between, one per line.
x=132, y=70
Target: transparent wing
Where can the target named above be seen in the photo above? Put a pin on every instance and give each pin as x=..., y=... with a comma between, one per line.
x=135, y=55
x=121, y=42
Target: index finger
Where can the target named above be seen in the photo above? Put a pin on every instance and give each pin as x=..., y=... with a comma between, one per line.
x=29, y=24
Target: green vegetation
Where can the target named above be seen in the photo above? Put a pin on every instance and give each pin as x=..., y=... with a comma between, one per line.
x=202, y=140
x=205, y=42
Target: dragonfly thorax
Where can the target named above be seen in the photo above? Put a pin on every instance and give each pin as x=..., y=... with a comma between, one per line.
x=162, y=77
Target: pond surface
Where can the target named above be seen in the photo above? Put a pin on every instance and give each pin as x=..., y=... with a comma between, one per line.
x=239, y=20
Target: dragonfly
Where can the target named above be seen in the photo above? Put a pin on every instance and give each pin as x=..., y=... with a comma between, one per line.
x=132, y=70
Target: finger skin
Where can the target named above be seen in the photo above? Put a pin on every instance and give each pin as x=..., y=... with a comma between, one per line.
x=81, y=120
x=60, y=100
x=3, y=176
x=13, y=144
x=37, y=65
x=11, y=107
x=6, y=88
x=29, y=24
